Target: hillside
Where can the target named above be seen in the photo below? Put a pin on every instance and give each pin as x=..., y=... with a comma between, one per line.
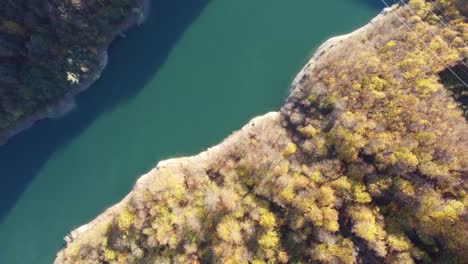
x=51, y=50
x=366, y=162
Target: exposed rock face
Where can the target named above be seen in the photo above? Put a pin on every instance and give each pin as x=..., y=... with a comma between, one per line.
x=51, y=50
x=365, y=163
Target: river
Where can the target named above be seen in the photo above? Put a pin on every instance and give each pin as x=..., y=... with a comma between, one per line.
x=195, y=72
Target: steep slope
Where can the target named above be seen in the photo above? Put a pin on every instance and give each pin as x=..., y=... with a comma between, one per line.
x=365, y=163
x=51, y=50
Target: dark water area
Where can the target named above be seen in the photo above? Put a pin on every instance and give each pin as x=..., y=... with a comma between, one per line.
x=160, y=33
x=195, y=72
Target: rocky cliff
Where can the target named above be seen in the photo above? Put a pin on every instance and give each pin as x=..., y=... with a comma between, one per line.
x=366, y=162
x=51, y=50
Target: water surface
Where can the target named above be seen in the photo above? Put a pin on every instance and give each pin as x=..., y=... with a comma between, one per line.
x=195, y=72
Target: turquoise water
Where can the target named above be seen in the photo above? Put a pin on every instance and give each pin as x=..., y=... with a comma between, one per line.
x=195, y=72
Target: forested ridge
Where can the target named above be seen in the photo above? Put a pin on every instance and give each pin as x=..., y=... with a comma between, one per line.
x=50, y=48
x=366, y=162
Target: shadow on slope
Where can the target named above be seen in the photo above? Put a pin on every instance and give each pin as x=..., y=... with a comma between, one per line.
x=132, y=63
x=454, y=79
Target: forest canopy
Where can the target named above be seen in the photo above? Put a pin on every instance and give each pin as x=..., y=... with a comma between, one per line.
x=366, y=163
x=51, y=48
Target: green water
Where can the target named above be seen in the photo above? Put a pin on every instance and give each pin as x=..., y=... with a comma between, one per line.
x=195, y=72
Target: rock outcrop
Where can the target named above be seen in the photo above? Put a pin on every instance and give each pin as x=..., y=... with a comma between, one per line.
x=366, y=162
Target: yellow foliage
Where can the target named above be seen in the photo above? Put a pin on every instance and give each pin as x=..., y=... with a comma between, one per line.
x=329, y=101
x=406, y=157
x=342, y=184
x=169, y=182
x=109, y=254
x=104, y=242
x=314, y=214
x=373, y=61
x=312, y=98
x=427, y=86
x=269, y=240
x=287, y=194
x=376, y=83
x=347, y=144
x=125, y=220
x=257, y=261
x=390, y=44
x=342, y=252
x=398, y=242
x=290, y=149
x=229, y=230
x=283, y=257
x=308, y=131
x=173, y=241
x=404, y=186
x=365, y=225
x=267, y=219
x=432, y=170
x=316, y=176
x=326, y=196
x=360, y=194
x=420, y=7
x=437, y=43
x=380, y=185
x=330, y=219
x=450, y=211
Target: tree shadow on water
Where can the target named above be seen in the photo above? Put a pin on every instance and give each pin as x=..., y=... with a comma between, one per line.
x=132, y=63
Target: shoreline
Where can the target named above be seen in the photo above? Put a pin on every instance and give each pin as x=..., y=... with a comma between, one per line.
x=268, y=119
x=332, y=42
x=62, y=106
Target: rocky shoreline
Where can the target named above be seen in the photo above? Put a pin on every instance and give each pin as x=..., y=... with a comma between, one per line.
x=67, y=103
